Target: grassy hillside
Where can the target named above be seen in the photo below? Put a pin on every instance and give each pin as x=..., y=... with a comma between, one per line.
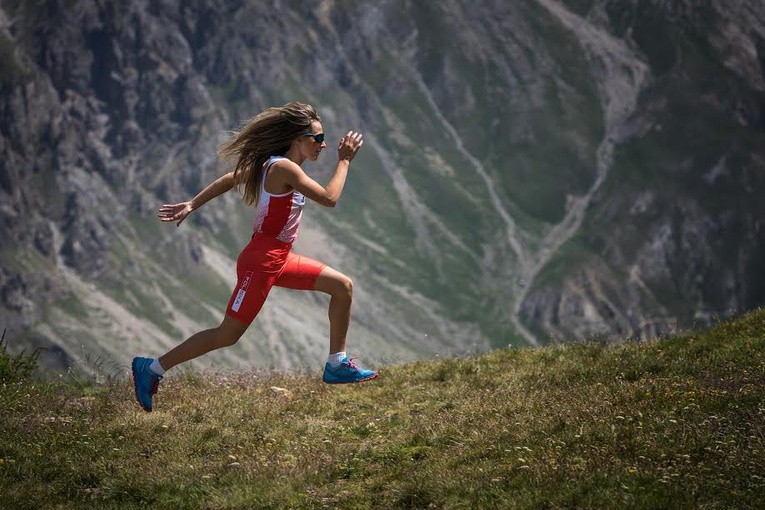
x=677, y=423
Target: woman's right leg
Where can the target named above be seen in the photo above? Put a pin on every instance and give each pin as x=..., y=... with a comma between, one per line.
x=304, y=273
x=228, y=333
x=340, y=289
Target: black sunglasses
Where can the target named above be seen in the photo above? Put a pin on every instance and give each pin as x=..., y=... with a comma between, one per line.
x=318, y=137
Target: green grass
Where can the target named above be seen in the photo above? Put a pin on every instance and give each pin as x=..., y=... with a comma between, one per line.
x=675, y=423
x=15, y=367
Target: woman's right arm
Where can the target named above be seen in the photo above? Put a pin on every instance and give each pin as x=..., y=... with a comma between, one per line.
x=178, y=212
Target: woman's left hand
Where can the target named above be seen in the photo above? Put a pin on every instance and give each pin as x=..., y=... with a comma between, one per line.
x=349, y=146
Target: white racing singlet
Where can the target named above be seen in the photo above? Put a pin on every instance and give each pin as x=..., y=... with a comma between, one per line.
x=278, y=216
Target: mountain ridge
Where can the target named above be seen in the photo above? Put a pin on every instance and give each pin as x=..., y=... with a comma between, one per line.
x=534, y=172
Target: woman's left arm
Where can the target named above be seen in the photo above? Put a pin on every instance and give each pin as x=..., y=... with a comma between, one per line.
x=327, y=195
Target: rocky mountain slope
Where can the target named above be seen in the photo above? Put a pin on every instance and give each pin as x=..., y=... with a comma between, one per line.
x=533, y=170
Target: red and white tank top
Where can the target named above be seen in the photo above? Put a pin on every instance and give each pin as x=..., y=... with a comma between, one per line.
x=278, y=216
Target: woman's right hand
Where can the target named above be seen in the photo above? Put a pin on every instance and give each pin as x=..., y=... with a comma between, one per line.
x=349, y=146
x=175, y=212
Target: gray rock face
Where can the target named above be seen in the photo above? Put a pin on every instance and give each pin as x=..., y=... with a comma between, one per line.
x=536, y=170
x=671, y=226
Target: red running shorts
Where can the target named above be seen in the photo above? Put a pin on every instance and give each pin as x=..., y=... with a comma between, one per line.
x=263, y=263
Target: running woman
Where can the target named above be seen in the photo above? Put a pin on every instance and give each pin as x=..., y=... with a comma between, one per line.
x=269, y=151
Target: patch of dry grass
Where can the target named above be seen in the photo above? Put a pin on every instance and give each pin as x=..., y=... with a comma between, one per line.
x=675, y=423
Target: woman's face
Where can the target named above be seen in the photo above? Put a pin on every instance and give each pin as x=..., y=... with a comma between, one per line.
x=310, y=147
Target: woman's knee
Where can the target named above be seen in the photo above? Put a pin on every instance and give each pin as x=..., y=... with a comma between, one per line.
x=345, y=287
x=226, y=339
x=334, y=283
x=230, y=331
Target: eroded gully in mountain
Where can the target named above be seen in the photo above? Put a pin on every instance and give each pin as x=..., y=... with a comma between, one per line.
x=620, y=73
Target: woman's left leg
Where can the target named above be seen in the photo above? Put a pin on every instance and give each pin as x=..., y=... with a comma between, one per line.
x=226, y=334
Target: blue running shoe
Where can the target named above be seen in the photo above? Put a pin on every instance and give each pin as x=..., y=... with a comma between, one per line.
x=346, y=372
x=145, y=381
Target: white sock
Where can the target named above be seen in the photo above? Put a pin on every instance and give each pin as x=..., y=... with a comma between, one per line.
x=157, y=368
x=335, y=359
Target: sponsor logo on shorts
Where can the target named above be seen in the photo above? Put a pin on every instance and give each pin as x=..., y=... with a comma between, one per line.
x=242, y=291
x=246, y=281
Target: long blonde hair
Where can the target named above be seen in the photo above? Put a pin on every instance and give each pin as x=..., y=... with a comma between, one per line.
x=269, y=133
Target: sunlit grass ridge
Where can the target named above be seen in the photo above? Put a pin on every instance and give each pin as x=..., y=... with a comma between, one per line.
x=673, y=423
